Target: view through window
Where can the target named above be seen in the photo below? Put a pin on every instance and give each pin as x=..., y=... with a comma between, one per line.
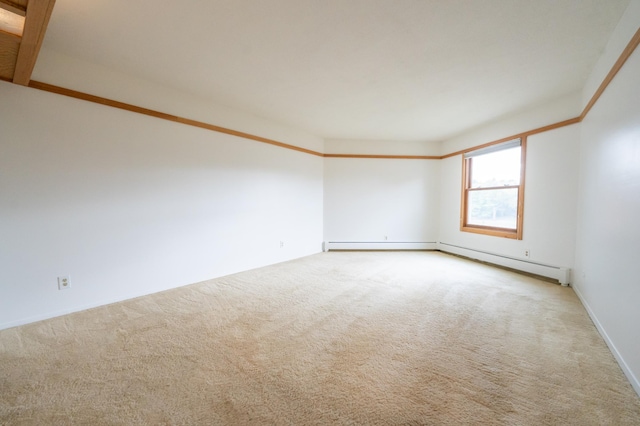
x=493, y=188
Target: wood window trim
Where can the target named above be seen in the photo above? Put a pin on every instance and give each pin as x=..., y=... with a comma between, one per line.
x=516, y=234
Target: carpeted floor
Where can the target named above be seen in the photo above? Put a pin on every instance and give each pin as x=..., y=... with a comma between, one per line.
x=405, y=338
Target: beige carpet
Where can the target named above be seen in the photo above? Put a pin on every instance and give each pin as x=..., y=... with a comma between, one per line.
x=405, y=338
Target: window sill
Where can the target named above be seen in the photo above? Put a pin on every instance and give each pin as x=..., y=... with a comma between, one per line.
x=495, y=232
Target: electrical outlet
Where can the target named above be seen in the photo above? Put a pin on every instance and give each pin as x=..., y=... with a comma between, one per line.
x=385, y=238
x=527, y=253
x=64, y=282
x=281, y=244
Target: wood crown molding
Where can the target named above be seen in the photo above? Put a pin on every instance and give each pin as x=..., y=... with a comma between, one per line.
x=626, y=53
x=393, y=157
x=13, y=7
x=161, y=115
x=630, y=48
x=522, y=135
x=624, y=56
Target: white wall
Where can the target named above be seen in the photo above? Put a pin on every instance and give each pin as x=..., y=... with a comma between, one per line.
x=381, y=203
x=537, y=116
x=608, y=251
x=379, y=147
x=550, y=196
x=129, y=204
x=618, y=40
x=368, y=199
x=72, y=73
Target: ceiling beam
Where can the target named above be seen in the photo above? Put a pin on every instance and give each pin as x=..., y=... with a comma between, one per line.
x=9, y=45
x=13, y=7
x=35, y=26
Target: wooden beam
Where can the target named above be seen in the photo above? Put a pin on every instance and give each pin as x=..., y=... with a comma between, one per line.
x=13, y=7
x=35, y=26
x=9, y=46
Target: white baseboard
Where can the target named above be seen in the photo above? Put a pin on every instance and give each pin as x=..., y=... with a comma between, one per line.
x=378, y=245
x=623, y=365
x=562, y=274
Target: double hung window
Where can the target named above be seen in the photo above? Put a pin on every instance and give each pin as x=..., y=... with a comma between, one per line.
x=493, y=189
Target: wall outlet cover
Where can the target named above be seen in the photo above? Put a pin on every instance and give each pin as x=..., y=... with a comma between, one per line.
x=64, y=282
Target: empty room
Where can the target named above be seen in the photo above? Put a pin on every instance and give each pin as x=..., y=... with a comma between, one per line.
x=393, y=212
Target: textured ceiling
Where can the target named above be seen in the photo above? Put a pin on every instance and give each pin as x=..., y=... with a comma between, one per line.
x=349, y=69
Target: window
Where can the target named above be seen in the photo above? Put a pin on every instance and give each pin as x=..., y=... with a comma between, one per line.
x=493, y=189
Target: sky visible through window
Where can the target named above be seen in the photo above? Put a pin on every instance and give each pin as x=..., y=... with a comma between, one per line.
x=495, y=207
x=496, y=169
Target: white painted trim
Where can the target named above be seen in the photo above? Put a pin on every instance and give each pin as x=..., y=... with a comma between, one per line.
x=378, y=245
x=635, y=383
x=560, y=273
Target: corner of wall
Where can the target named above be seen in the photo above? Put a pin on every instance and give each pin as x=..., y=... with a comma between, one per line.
x=562, y=108
x=606, y=270
x=621, y=35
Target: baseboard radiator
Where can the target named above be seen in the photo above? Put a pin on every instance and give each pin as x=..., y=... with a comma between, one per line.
x=562, y=274
x=378, y=245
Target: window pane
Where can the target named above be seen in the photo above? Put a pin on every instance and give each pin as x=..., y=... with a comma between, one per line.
x=493, y=207
x=496, y=169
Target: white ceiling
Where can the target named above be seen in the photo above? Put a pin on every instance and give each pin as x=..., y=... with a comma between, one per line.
x=349, y=69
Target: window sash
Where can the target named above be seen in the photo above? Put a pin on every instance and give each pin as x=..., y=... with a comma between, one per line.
x=495, y=208
x=513, y=143
x=484, y=188
x=467, y=189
